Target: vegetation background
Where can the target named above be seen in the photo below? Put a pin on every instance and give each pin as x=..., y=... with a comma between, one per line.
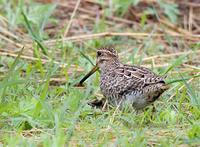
x=46, y=46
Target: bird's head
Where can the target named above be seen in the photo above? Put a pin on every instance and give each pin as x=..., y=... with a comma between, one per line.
x=106, y=56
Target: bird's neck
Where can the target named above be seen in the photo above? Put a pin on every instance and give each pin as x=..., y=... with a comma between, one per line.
x=109, y=66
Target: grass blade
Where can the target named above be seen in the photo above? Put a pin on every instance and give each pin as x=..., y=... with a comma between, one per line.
x=87, y=58
x=175, y=63
x=182, y=79
x=35, y=38
x=6, y=82
x=192, y=94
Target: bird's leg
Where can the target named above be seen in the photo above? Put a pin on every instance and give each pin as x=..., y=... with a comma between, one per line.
x=105, y=105
x=153, y=111
x=154, y=108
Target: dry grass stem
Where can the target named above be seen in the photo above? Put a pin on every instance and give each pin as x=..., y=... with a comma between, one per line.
x=109, y=34
x=61, y=65
x=71, y=19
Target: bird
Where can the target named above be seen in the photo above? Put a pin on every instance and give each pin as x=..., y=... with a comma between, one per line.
x=123, y=84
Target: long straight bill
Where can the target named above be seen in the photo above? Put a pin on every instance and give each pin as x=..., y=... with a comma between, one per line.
x=94, y=69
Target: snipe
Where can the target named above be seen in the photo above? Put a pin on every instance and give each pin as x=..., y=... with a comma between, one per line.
x=126, y=84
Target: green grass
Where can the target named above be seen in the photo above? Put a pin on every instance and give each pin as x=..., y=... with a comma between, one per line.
x=36, y=112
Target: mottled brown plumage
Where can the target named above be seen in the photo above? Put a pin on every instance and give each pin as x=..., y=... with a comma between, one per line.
x=126, y=84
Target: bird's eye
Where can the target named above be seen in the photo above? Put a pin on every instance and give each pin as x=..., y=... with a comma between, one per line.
x=98, y=53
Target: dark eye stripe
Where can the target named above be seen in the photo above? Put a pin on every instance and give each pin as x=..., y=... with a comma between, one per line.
x=98, y=53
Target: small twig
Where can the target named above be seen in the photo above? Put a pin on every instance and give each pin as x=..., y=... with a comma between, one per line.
x=109, y=34
x=7, y=33
x=171, y=55
x=112, y=18
x=61, y=65
x=71, y=19
x=190, y=18
x=4, y=21
x=174, y=30
x=11, y=41
x=185, y=22
x=190, y=4
x=55, y=81
x=174, y=27
x=191, y=66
